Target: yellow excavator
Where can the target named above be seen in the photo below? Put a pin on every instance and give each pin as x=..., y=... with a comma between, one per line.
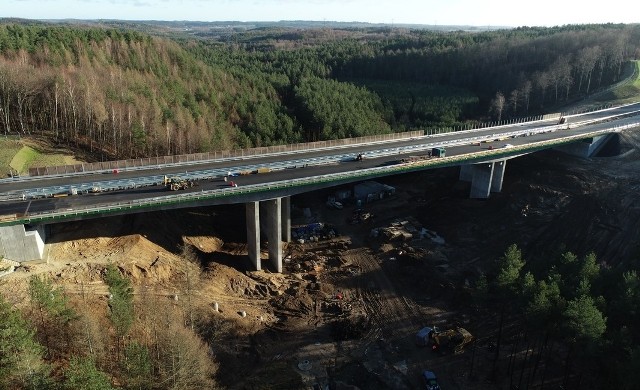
x=444, y=340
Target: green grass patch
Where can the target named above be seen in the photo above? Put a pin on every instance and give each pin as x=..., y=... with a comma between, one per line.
x=23, y=159
x=636, y=72
x=21, y=154
x=627, y=92
x=9, y=147
x=49, y=160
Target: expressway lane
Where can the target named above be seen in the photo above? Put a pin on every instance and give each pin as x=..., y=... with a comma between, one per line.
x=99, y=178
x=376, y=155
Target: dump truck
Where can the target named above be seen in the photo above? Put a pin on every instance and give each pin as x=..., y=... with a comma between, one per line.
x=450, y=340
x=438, y=152
x=177, y=183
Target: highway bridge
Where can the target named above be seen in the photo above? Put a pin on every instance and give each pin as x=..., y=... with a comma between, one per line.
x=28, y=204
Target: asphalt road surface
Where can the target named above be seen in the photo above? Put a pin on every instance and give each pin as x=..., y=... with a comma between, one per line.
x=339, y=160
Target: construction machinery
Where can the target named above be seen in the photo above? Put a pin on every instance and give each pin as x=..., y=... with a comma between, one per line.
x=446, y=340
x=263, y=170
x=177, y=183
x=412, y=159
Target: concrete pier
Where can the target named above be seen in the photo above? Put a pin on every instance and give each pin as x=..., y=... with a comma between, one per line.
x=498, y=175
x=285, y=218
x=485, y=178
x=275, y=221
x=274, y=232
x=20, y=243
x=253, y=233
x=466, y=172
x=481, y=181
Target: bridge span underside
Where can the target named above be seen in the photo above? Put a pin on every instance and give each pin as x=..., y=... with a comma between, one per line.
x=269, y=211
x=23, y=243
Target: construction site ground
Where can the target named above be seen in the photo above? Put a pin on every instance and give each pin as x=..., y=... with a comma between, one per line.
x=347, y=306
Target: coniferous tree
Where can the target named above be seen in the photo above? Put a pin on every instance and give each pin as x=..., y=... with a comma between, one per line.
x=121, y=307
x=82, y=374
x=21, y=356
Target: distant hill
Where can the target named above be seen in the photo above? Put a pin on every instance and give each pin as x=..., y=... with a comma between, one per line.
x=122, y=89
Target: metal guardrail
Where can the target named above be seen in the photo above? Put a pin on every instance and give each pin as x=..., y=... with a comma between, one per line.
x=195, y=158
x=124, y=184
x=314, y=180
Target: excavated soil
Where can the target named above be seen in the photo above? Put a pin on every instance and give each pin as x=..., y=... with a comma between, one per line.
x=346, y=307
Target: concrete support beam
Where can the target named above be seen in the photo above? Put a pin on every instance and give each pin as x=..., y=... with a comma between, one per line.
x=253, y=233
x=498, y=175
x=481, y=181
x=286, y=218
x=274, y=232
x=20, y=244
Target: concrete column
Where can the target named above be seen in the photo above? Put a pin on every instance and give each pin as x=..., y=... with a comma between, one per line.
x=253, y=233
x=20, y=244
x=274, y=232
x=286, y=218
x=481, y=181
x=498, y=175
x=466, y=172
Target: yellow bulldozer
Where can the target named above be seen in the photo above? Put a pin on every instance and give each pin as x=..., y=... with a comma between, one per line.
x=177, y=183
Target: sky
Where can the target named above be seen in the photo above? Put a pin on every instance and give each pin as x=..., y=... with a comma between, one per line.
x=496, y=13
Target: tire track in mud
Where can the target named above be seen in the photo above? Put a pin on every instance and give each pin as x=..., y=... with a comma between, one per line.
x=392, y=316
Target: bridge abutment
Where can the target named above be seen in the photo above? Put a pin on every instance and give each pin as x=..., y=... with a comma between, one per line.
x=19, y=243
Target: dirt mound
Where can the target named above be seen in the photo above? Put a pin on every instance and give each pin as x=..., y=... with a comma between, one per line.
x=206, y=244
x=143, y=261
